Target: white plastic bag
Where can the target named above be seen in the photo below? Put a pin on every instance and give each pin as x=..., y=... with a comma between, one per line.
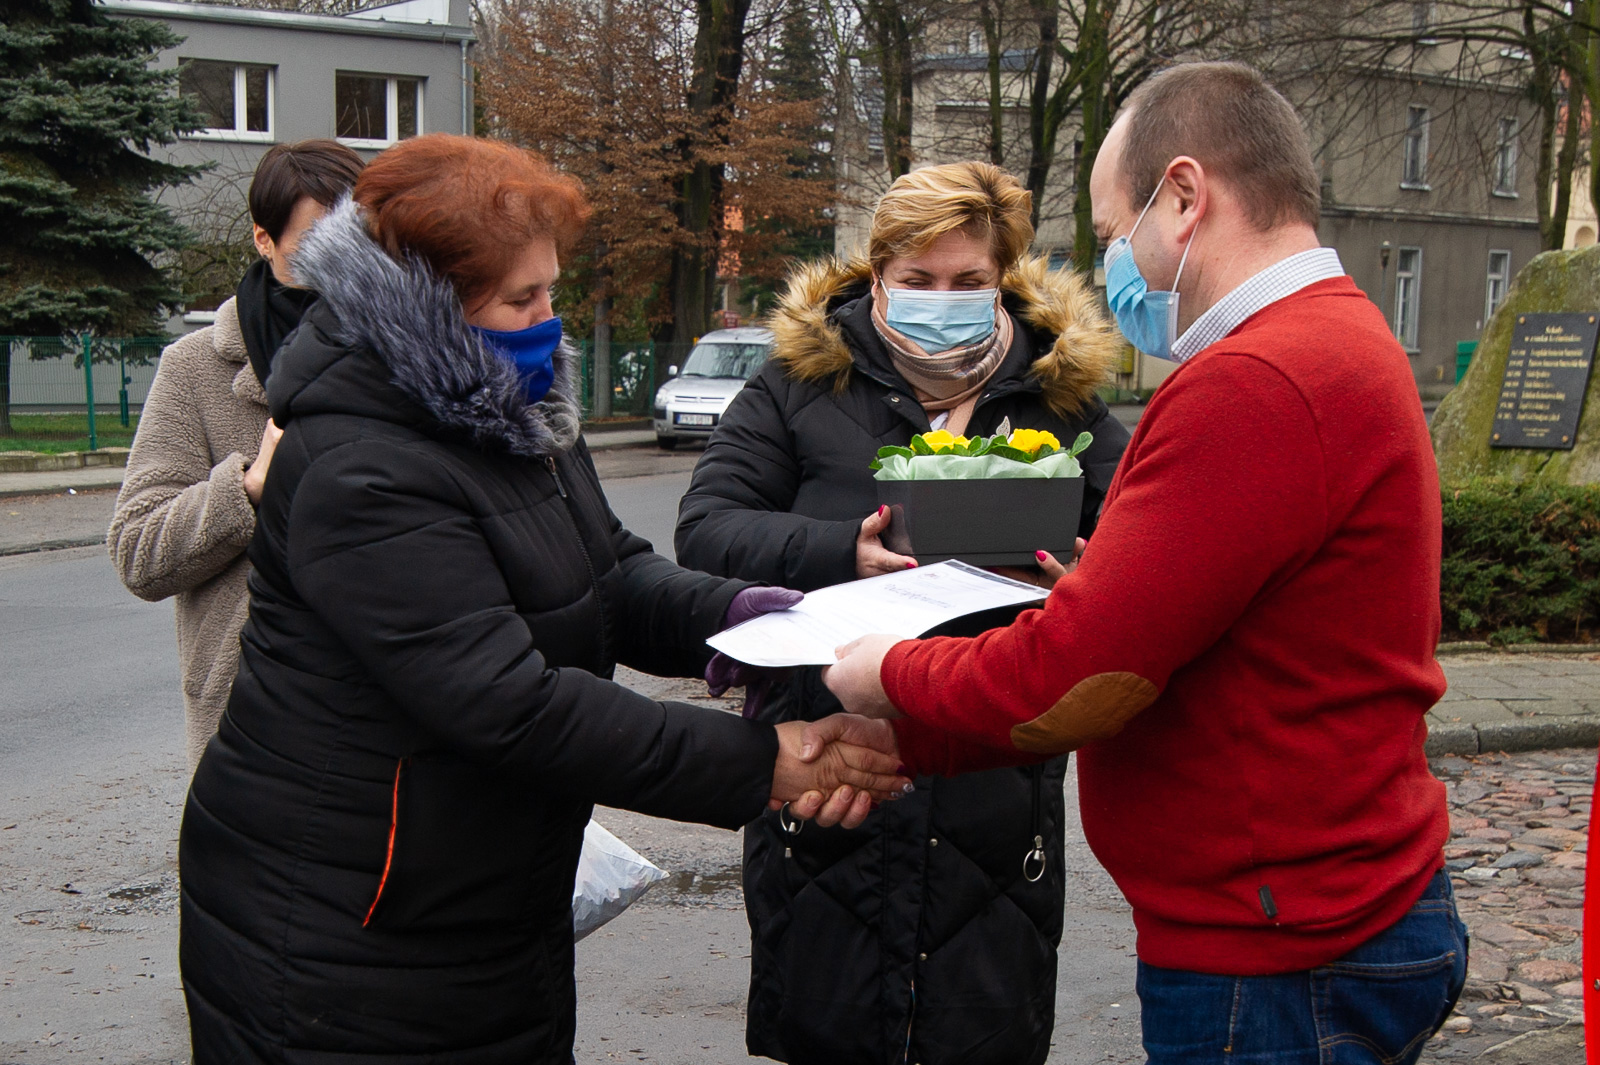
x=611, y=877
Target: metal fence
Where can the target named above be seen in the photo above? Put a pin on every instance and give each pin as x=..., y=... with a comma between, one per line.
x=634, y=373
x=45, y=374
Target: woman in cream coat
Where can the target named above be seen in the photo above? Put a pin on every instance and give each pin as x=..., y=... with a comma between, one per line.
x=186, y=511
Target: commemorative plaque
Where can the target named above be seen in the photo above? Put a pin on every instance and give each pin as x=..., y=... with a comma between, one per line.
x=1547, y=374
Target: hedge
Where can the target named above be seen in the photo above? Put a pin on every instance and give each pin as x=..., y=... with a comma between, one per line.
x=1521, y=561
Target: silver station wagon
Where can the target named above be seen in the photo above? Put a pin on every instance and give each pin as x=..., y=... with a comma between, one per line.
x=690, y=406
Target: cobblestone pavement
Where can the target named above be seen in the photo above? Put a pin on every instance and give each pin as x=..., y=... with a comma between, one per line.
x=1516, y=855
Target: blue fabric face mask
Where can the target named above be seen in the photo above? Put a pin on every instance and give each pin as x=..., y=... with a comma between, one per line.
x=531, y=350
x=1148, y=319
x=940, y=321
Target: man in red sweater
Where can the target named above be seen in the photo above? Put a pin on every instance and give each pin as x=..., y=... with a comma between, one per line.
x=1245, y=653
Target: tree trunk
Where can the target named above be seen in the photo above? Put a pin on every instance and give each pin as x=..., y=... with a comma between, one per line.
x=991, y=38
x=1587, y=50
x=1041, y=129
x=1542, y=89
x=1096, y=111
x=1096, y=102
x=1552, y=58
x=1543, y=93
x=600, y=378
x=895, y=66
x=718, y=62
x=1566, y=164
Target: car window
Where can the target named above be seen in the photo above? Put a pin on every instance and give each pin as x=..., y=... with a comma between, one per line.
x=726, y=360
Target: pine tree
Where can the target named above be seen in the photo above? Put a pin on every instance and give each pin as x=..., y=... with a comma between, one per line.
x=80, y=109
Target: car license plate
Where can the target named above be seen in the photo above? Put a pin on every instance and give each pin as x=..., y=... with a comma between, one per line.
x=696, y=419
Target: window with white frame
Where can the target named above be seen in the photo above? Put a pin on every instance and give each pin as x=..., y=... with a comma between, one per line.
x=1505, y=159
x=1499, y=279
x=1414, y=165
x=376, y=110
x=234, y=99
x=1407, y=289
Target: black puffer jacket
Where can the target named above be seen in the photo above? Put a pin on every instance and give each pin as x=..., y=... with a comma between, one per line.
x=916, y=938
x=378, y=850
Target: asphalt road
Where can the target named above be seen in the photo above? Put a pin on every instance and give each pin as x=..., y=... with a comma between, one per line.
x=91, y=791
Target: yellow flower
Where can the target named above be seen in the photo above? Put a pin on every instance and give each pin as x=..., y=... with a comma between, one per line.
x=1031, y=440
x=941, y=440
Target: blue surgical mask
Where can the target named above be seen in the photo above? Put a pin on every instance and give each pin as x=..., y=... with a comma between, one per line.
x=532, y=350
x=1148, y=319
x=940, y=321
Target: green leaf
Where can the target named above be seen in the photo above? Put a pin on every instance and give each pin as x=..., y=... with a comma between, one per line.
x=920, y=446
x=1015, y=454
x=876, y=466
x=1081, y=444
x=1045, y=451
x=886, y=452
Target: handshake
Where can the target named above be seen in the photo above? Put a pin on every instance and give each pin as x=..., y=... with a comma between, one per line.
x=832, y=770
x=836, y=769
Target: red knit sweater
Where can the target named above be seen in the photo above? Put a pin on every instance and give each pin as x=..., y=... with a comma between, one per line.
x=1245, y=653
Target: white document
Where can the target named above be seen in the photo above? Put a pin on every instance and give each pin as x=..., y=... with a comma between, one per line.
x=904, y=604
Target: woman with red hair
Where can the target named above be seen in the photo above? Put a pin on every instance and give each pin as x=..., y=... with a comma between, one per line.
x=379, y=846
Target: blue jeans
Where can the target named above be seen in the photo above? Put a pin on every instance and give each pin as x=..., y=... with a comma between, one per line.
x=1377, y=1004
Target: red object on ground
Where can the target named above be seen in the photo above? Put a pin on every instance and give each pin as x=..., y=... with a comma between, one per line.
x=1265, y=579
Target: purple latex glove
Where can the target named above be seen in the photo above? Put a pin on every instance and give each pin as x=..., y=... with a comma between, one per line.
x=723, y=672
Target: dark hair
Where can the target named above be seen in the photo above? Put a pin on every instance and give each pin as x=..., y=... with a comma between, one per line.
x=321, y=169
x=468, y=207
x=1237, y=126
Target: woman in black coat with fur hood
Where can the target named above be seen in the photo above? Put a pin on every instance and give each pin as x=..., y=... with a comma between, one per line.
x=378, y=850
x=930, y=934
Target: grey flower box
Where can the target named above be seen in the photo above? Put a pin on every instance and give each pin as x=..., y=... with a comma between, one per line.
x=997, y=522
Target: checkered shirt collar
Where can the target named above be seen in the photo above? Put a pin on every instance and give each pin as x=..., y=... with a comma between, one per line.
x=1281, y=279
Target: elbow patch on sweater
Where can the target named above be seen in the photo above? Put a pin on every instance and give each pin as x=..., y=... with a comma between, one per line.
x=1096, y=708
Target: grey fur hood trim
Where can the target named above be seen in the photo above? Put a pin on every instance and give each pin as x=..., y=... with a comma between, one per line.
x=413, y=321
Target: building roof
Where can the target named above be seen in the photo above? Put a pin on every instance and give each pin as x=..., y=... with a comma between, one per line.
x=413, y=19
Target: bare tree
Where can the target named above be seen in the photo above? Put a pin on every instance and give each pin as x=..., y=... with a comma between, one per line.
x=628, y=98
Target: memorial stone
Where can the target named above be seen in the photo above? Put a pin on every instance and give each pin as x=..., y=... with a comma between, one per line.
x=1499, y=385
x=1547, y=372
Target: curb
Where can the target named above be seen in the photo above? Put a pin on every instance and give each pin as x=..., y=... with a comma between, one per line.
x=42, y=462
x=1474, y=647
x=620, y=439
x=1581, y=730
x=61, y=489
x=12, y=550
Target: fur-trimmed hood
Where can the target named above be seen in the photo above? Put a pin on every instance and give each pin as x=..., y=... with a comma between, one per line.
x=412, y=320
x=1054, y=305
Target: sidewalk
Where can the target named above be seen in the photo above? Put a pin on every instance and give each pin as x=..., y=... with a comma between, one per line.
x=1516, y=702
x=54, y=482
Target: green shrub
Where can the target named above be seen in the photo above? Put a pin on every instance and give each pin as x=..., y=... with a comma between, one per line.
x=1521, y=561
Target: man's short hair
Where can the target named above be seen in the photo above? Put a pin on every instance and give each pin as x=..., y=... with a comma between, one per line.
x=1237, y=126
x=322, y=169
